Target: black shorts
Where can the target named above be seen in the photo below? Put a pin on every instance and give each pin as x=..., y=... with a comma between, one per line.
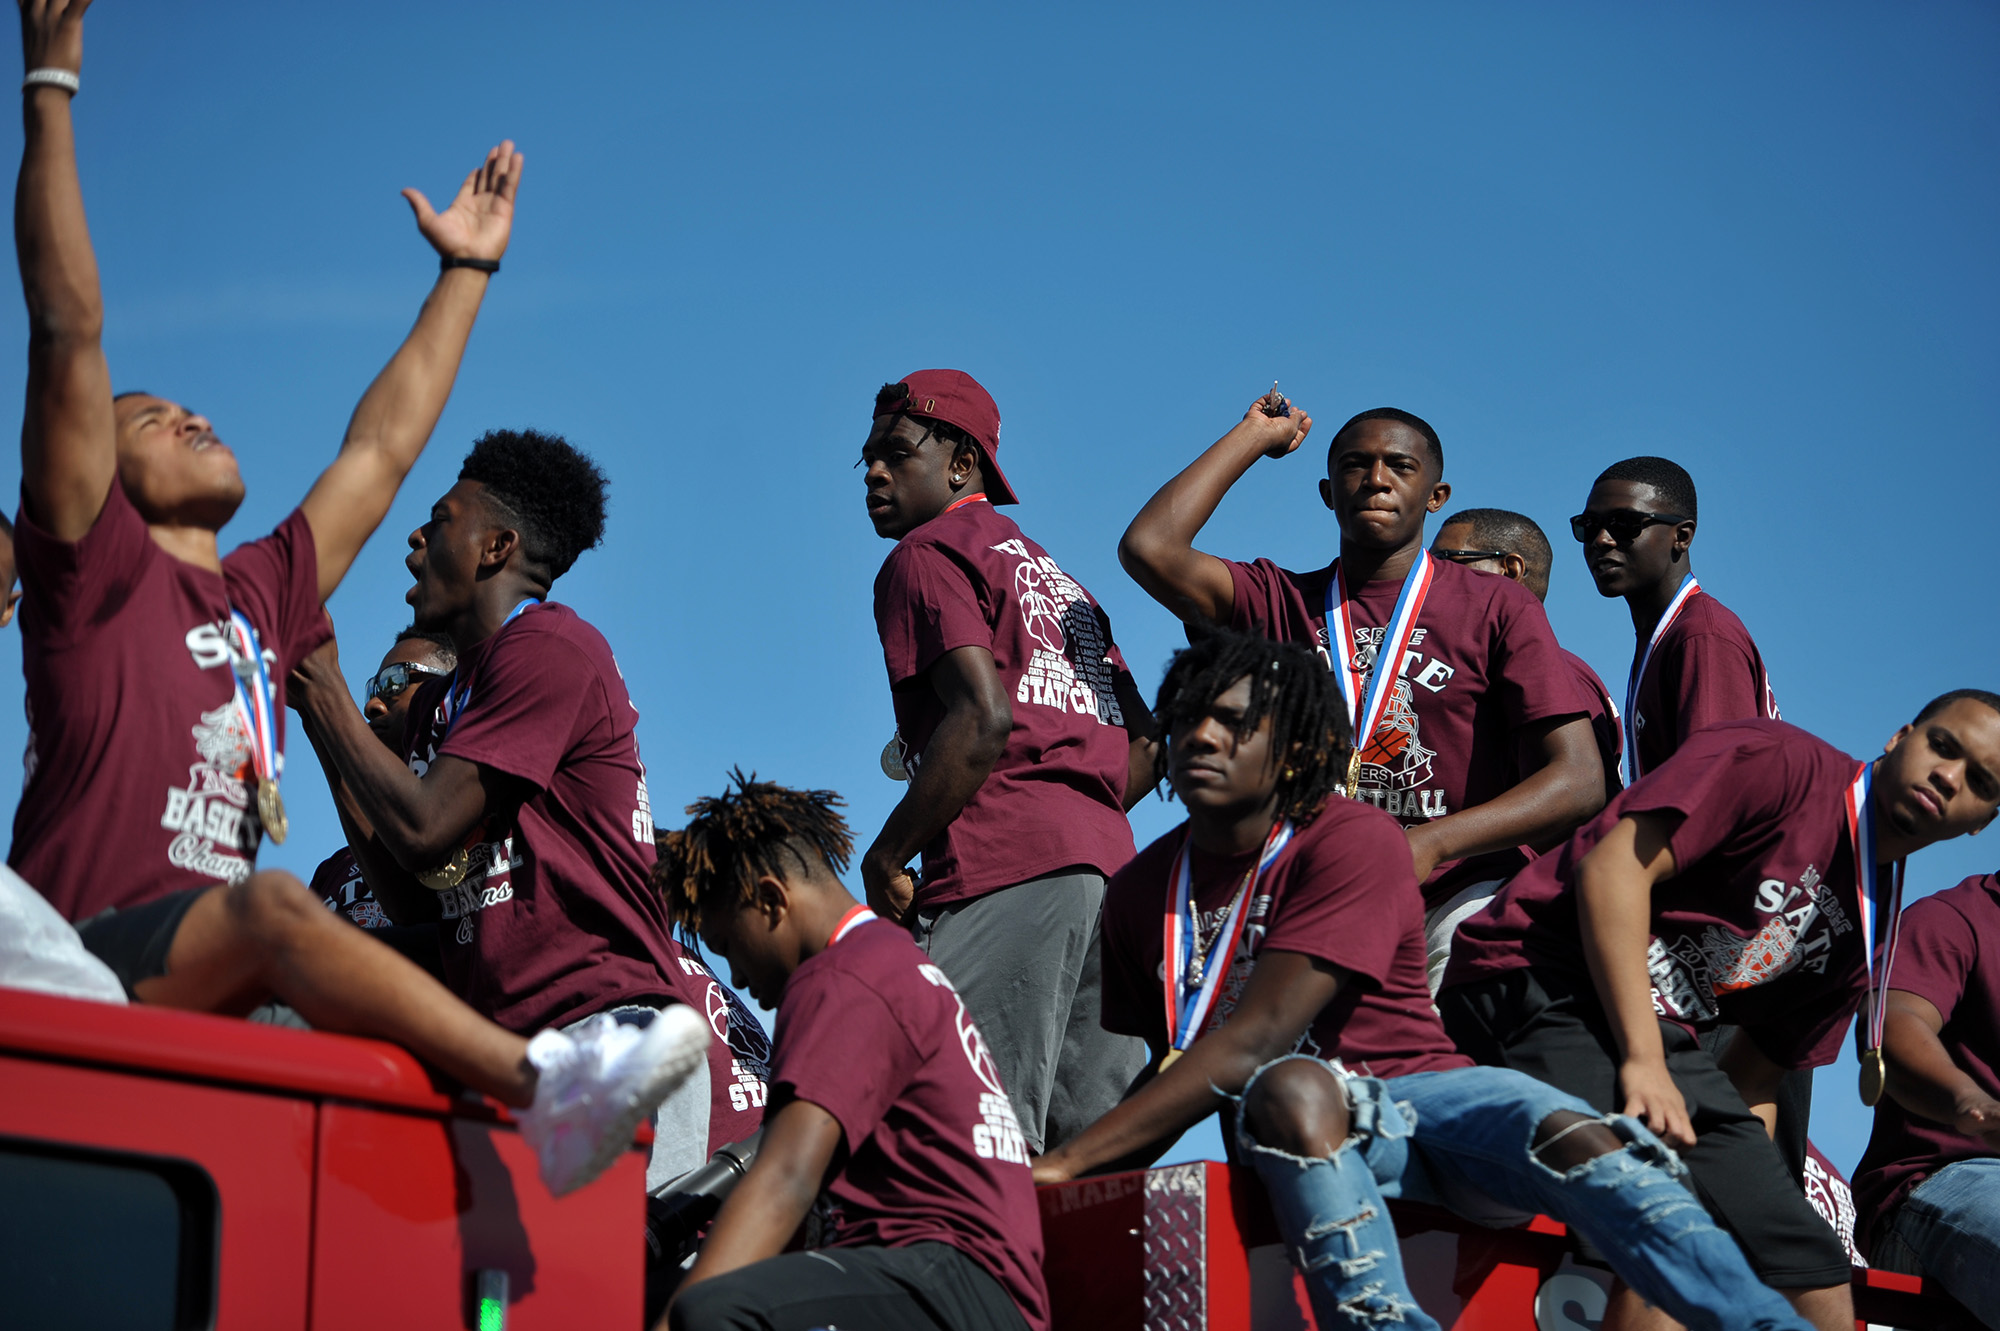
x=921, y=1287
x=1563, y=1038
x=133, y=940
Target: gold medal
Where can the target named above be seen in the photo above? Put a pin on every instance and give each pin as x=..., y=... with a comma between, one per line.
x=1168, y=1060
x=1874, y=1076
x=271, y=810
x=1353, y=772
x=450, y=874
x=893, y=766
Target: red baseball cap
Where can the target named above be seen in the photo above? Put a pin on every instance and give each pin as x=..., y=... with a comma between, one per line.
x=956, y=398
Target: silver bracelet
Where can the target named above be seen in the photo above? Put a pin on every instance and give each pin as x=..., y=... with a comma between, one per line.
x=54, y=78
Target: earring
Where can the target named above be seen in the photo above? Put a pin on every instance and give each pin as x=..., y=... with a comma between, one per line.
x=1289, y=774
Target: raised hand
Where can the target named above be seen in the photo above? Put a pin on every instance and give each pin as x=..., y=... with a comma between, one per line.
x=480, y=219
x=52, y=34
x=1278, y=426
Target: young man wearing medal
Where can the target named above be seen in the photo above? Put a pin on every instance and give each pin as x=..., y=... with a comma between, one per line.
x=1023, y=739
x=891, y=1137
x=156, y=667
x=418, y=654
x=1927, y=1191
x=1271, y=953
x=1475, y=736
x=515, y=814
x=1513, y=545
x=1746, y=880
x=1695, y=664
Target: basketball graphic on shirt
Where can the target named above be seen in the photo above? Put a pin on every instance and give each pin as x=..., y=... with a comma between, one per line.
x=1040, y=611
x=970, y=1041
x=1394, y=758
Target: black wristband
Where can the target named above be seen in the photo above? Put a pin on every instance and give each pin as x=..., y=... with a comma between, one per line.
x=447, y=263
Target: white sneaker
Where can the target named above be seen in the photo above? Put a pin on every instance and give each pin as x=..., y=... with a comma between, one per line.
x=598, y=1081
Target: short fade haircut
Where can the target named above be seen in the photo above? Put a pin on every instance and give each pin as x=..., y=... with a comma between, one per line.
x=1944, y=700
x=1397, y=414
x=712, y=864
x=1515, y=533
x=442, y=646
x=1310, y=738
x=1669, y=480
x=547, y=488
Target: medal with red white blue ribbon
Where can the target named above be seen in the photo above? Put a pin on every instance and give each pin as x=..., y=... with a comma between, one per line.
x=256, y=701
x=448, y=875
x=1873, y=908
x=1682, y=595
x=1194, y=975
x=1368, y=699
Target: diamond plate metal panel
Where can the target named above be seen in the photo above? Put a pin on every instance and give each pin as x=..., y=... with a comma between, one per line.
x=1176, y=1248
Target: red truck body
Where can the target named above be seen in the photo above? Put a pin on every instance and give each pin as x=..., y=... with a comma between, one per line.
x=320, y=1181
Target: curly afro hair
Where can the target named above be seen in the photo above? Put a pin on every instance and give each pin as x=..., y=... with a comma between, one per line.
x=546, y=488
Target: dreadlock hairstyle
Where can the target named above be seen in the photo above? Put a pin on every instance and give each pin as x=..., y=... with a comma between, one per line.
x=714, y=861
x=894, y=399
x=1310, y=737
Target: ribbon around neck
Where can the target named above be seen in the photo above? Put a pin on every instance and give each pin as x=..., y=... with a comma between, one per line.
x=1368, y=700
x=1682, y=595
x=1188, y=1005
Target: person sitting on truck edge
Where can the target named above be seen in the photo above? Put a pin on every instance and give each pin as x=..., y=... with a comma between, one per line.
x=884, y=1098
x=1295, y=990
x=1513, y=545
x=517, y=814
x=1694, y=664
x=1024, y=741
x=1479, y=741
x=1927, y=1191
x=156, y=668
x=417, y=654
x=1722, y=887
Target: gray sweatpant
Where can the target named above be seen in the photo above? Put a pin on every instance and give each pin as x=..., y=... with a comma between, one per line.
x=1026, y=961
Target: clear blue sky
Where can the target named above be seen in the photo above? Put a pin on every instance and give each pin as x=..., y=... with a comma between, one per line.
x=1758, y=239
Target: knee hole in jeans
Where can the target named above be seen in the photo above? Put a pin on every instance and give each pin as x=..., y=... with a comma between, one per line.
x=1566, y=1139
x=1297, y=1106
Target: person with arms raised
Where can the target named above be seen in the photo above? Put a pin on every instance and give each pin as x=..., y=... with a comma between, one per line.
x=156, y=666
x=1474, y=735
x=517, y=817
x=1294, y=988
x=1024, y=742
x=1927, y=1191
x=889, y=1126
x=1741, y=883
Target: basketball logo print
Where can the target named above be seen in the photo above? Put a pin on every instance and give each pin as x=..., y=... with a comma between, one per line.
x=1040, y=611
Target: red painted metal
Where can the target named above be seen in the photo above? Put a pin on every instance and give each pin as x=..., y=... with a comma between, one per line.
x=356, y=1190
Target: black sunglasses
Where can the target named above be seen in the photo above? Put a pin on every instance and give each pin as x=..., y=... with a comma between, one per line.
x=1469, y=556
x=390, y=681
x=1622, y=523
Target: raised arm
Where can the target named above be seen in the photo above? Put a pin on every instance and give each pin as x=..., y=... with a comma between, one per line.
x=1158, y=548
x=396, y=415
x=68, y=441
x=1614, y=906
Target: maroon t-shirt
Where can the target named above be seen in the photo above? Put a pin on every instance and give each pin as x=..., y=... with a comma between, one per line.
x=1483, y=664
x=873, y=1033
x=739, y=1058
x=338, y=882
x=556, y=920
x=969, y=578
x=1941, y=959
x=1758, y=928
x=138, y=777
x=1604, y=723
x=1704, y=671
x=1343, y=891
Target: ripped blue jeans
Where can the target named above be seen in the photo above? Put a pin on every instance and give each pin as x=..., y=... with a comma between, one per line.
x=1464, y=1139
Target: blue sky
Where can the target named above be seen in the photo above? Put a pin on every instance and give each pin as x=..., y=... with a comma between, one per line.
x=1756, y=239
